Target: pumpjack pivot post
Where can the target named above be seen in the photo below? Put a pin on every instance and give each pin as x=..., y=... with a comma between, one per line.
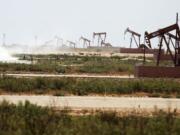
x=134, y=36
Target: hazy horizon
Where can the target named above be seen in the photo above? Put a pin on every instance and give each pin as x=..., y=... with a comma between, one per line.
x=22, y=20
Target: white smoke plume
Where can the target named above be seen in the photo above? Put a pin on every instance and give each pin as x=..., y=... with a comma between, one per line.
x=5, y=56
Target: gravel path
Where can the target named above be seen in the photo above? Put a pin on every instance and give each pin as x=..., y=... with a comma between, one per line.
x=70, y=76
x=110, y=103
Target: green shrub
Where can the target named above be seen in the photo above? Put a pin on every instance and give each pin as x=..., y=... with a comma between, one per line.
x=59, y=94
x=62, y=64
x=155, y=95
x=84, y=86
x=29, y=119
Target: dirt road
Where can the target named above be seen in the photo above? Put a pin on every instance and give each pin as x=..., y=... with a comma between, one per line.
x=70, y=76
x=110, y=103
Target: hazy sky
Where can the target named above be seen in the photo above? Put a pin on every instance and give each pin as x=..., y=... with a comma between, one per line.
x=21, y=20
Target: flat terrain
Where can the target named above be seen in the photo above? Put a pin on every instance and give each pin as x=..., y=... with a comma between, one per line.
x=107, y=103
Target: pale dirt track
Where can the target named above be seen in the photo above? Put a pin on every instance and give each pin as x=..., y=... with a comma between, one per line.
x=108, y=103
x=70, y=76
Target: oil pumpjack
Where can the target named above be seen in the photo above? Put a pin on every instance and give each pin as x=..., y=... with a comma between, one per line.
x=170, y=39
x=134, y=36
x=71, y=44
x=86, y=42
x=101, y=36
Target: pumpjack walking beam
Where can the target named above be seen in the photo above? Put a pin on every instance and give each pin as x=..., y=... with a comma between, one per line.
x=86, y=42
x=134, y=35
x=101, y=37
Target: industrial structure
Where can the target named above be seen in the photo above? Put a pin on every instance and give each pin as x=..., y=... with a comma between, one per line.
x=58, y=40
x=136, y=37
x=165, y=35
x=101, y=38
x=168, y=48
x=71, y=44
x=86, y=42
x=169, y=38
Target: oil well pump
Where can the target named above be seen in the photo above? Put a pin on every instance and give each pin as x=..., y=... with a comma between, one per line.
x=86, y=42
x=58, y=39
x=71, y=44
x=170, y=36
x=47, y=43
x=101, y=37
x=140, y=48
x=136, y=37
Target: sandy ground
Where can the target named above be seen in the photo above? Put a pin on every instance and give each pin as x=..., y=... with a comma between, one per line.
x=107, y=54
x=71, y=76
x=108, y=103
